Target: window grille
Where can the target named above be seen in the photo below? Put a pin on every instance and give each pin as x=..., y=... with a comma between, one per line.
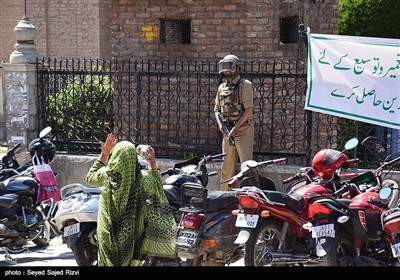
x=175, y=31
x=288, y=30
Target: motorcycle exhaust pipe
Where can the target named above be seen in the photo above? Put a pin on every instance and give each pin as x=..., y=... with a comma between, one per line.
x=285, y=258
x=4, y=231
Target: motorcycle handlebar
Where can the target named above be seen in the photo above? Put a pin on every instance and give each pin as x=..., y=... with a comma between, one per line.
x=177, y=169
x=171, y=171
x=240, y=175
x=296, y=176
x=353, y=161
x=233, y=182
x=390, y=163
x=11, y=152
x=280, y=161
x=342, y=190
x=210, y=158
x=366, y=139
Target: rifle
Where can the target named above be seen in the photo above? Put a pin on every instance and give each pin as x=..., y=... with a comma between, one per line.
x=226, y=129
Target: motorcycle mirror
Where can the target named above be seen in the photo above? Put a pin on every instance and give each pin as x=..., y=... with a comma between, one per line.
x=351, y=144
x=385, y=193
x=44, y=131
x=251, y=163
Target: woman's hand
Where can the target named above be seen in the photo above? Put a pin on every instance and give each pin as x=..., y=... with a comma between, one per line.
x=107, y=146
x=152, y=159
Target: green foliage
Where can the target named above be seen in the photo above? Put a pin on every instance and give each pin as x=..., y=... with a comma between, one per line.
x=371, y=18
x=82, y=108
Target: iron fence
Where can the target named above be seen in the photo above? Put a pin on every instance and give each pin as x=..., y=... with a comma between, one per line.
x=169, y=105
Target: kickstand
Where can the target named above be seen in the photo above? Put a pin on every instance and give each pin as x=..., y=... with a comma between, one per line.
x=9, y=258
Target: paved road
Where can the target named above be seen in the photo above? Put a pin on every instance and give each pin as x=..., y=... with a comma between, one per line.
x=56, y=255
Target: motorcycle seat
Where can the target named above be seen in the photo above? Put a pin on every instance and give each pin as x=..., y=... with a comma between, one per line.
x=294, y=201
x=216, y=201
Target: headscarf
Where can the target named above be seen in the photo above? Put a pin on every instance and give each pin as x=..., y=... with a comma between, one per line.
x=134, y=214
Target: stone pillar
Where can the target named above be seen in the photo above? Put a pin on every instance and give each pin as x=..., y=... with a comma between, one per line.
x=21, y=114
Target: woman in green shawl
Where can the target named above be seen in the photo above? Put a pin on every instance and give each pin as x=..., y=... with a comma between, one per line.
x=134, y=216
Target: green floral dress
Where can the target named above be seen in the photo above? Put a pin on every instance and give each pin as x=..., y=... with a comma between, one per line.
x=134, y=215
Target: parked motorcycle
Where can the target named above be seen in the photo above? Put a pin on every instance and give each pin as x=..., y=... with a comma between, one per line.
x=390, y=220
x=207, y=228
x=271, y=222
x=22, y=217
x=349, y=232
x=77, y=212
x=307, y=175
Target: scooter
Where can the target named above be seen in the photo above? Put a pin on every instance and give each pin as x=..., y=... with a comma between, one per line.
x=76, y=220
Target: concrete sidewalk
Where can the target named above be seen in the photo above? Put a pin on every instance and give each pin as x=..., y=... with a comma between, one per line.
x=57, y=254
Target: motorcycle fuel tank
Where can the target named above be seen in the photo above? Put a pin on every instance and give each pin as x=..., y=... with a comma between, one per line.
x=180, y=179
x=20, y=185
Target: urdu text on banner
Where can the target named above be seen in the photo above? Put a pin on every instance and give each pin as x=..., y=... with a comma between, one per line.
x=354, y=77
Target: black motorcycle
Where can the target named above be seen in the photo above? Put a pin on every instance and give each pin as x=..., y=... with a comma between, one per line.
x=207, y=228
x=22, y=217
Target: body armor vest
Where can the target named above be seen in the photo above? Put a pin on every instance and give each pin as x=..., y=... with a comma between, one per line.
x=231, y=103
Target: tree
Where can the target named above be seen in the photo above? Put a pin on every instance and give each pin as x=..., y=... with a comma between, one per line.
x=371, y=18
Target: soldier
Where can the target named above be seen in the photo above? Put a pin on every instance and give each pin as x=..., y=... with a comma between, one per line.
x=235, y=101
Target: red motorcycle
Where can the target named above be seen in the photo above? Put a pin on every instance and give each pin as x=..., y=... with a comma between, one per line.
x=348, y=232
x=271, y=222
x=391, y=225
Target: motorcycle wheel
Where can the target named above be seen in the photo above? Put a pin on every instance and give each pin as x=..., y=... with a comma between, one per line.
x=264, y=238
x=85, y=252
x=43, y=240
x=342, y=252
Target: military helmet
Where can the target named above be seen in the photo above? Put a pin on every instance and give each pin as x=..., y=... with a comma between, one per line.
x=228, y=63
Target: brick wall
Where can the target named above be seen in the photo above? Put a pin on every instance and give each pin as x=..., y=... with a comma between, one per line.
x=248, y=28
x=11, y=12
x=64, y=28
x=73, y=28
x=89, y=28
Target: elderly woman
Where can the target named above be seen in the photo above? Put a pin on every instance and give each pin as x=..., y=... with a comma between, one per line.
x=134, y=217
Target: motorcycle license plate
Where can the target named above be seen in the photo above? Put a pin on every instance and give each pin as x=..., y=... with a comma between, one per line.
x=246, y=220
x=187, y=238
x=72, y=229
x=396, y=250
x=327, y=230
